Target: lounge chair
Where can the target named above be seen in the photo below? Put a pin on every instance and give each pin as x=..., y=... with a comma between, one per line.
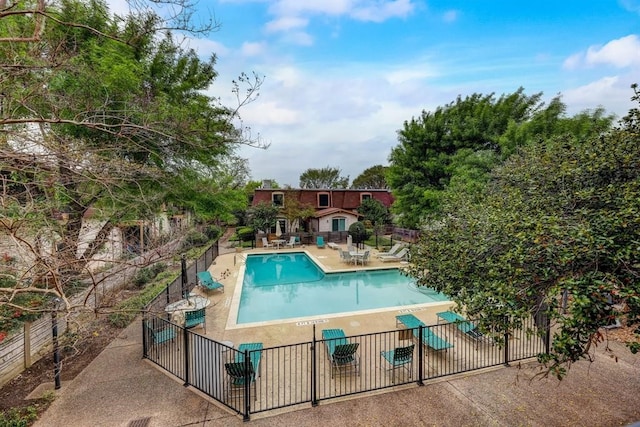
x=394, y=249
x=238, y=370
x=429, y=338
x=464, y=325
x=194, y=318
x=400, y=357
x=206, y=281
x=400, y=256
x=265, y=243
x=340, y=351
x=320, y=241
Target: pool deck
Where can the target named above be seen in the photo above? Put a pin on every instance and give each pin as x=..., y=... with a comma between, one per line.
x=221, y=313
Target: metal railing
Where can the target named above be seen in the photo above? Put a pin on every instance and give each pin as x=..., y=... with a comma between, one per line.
x=183, y=283
x=308, y=372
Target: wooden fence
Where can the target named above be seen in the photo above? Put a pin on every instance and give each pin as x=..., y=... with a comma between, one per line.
x=23, y=349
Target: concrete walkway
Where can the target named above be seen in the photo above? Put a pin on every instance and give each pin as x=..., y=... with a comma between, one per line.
x=119, y=388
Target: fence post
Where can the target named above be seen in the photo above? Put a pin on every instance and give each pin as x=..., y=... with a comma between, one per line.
x=247, y=386
x=145, y=354
x=314, y=372
x=185, y=332
x=506, y=348
x=420, y=355
x=27, y=344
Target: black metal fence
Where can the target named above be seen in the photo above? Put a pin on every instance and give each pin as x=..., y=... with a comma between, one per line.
x=185, y=282
x=265, y=379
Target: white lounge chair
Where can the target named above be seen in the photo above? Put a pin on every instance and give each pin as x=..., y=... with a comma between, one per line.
x=394, y=249
x=400, y=256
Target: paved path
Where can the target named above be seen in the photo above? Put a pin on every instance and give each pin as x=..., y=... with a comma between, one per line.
x=119, y=387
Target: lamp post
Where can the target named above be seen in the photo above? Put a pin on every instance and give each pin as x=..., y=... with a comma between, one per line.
x=56, y=349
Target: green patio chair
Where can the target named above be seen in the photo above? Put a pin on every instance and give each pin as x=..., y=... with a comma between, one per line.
x=399, y=358
x=194, y=318
x=341, y=353
x=206, y=281
x=320, y=242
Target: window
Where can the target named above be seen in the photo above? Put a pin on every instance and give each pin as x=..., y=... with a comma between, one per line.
x=323, y=200
x=364, y=196
x=338, y=224
x=277, y=199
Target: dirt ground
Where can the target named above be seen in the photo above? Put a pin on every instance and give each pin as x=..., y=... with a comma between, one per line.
x=75, y=356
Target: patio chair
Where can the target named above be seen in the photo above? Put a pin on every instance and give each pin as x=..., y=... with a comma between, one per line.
x=399, y=357
x=237, y=370
x=465, y=326
x=391, y=251
x=265, y=243
x=292, y=242
x=158, y=336
x=366, y=257
x=320, y=242
x=342, y=354
x=194, y=318
x=239, y=373
x=429, y=338
x=400, y=256
x=207, y=282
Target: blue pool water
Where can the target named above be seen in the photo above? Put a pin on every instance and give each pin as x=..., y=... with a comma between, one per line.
x=290, y=285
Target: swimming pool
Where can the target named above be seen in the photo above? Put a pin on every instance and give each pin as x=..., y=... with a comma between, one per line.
x=291, y=285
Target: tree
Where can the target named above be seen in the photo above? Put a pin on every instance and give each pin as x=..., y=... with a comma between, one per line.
x=104, y=116
x=296, y=212
x=470, y=136
x=372, y=178
x=323, y=178
x=376, y=213
x=262, y=216
x=558, y=219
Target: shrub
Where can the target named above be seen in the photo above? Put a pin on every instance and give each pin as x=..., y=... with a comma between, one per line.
x=194, y=238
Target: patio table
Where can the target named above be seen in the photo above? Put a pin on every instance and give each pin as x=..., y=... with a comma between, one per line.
x=178, y=308
x=278, y=242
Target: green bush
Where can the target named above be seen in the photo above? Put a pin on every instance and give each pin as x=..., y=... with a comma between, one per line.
x=245, y=233
x=147, y=274
x=213, y=232
x=127, y=310
x=18, y=417
x=194, y=238
x=358, y=232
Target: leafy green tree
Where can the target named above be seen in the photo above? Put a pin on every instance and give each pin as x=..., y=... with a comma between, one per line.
x=295, y=212
x=558, y=218
x=262, y=216
x=107, y=117
x=372, y=178
x=467, y=138
x=323, y=178
x=376, y=213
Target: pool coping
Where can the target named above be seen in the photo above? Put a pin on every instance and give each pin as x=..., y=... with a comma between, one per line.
x=234, y=303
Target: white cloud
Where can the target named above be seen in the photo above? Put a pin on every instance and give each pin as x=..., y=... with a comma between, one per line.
x=614, y=90
x=620, y=53
x=381, y=11
x=253, y=49
x=206, y=47
x=285, y=23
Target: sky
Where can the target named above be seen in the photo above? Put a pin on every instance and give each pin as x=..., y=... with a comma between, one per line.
x=342, y=76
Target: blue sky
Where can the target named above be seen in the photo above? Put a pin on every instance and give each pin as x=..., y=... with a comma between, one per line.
x=341, y=76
